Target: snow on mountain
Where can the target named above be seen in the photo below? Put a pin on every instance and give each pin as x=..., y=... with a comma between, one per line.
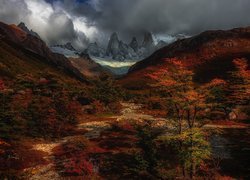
x=67, y=50
x=119, y=56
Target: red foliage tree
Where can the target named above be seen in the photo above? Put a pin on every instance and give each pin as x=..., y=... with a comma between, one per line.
x=188, y=102
x=239, y=88
x=187, y=99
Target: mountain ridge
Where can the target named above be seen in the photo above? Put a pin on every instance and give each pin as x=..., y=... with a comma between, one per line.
x=209, y=55
x=14, y=35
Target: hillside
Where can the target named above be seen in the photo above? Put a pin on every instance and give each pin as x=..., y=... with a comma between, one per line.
x=29, y=44
x=209, y=54
x=89, y=67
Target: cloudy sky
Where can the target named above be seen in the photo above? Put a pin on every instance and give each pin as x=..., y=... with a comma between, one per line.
x=84, y=21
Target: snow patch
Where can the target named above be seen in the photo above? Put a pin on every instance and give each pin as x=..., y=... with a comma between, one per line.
x=65, y=52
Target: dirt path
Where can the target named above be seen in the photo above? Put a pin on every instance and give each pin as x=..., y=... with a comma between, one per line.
x=133, y=113
x=130, y=112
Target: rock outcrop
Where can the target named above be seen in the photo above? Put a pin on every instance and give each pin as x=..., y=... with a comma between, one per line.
x=95, y=50
x=134, y=44
x=66, y=49
x=25, y=29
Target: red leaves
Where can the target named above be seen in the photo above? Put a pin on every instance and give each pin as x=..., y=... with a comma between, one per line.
x=74, y=106
x=73, y=159
x=78, y=166
x=2, y=85
x=215, y=83
x=241, y=64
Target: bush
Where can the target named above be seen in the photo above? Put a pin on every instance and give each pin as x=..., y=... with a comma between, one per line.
x=10, y=126
x=148, y=145
x=77, y=162
x=51, y=118
x=106, y=91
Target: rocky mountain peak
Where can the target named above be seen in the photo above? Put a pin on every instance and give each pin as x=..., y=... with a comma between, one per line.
x=134, y=44
x=69, y=46
x=113, y=45
x=148, y=40
x=23, y=26
x=95, y=50
x=114, y=36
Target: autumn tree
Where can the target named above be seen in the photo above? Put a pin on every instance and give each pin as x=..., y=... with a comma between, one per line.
x=188, y=102
x=239, y=85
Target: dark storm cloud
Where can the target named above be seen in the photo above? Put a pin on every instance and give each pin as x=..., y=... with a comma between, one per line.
x=54, y=25
x=69, y=20
x=166, y=16
x=61, y=28
x=13, y=11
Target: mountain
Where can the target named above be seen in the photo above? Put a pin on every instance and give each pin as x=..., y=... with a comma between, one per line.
x=25, y=29
x=208, y=54
x=161, y=44
x=88, y=67
x=120, y=51
x=113, y=46
x=95, y=50
x=66, y=49
x=67, y=46
x=134, y=44
x=148, y=44
x=30, y=44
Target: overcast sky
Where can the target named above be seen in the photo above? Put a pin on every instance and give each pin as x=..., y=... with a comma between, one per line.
x=84, y=21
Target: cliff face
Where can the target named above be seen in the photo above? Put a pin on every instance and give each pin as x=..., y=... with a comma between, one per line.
x=120, y=51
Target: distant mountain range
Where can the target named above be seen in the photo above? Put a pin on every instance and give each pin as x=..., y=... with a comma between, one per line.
x=134, y=51
x=118, y=56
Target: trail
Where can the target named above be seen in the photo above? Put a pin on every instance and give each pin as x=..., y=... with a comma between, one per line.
x=130, y=112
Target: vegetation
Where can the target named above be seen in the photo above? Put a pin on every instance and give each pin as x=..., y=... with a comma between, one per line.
x=42, y=103
x=187, y=103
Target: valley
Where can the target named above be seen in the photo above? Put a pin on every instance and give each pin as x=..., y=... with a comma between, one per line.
x=180, y=113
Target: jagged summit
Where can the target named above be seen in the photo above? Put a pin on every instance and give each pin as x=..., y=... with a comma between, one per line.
x=23, y=26
x=113, y=45
x=118, y=50
x=134, y=44
x=148, y=40
x=95, y=50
